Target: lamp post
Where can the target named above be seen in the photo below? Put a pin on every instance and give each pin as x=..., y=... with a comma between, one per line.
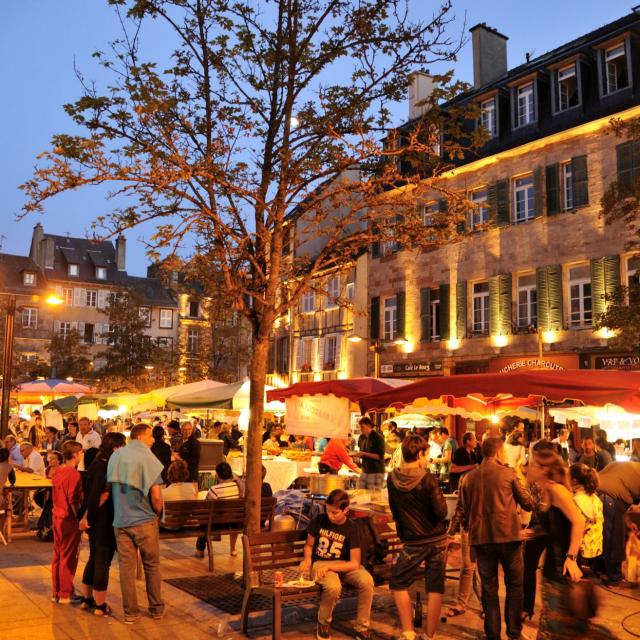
x=377, y=346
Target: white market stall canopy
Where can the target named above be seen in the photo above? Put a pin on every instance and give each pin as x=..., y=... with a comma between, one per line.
x=233, y=396
x=617, y=422
x=159, y=396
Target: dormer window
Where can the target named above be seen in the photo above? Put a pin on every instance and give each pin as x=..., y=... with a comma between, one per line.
x=74, y=270
x=488, y=117
x=101, y=273
x=567, y=88
x=29, y=279
x=525, y=105
x=616, y=69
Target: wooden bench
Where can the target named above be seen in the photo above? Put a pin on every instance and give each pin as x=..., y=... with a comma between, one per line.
x=209, y=518
x=281, y=550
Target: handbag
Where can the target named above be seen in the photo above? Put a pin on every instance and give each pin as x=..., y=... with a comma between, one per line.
x=582, y=600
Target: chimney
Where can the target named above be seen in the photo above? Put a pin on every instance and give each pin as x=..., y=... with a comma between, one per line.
x=121, y=252
x=421, y=86
x=489, y=54
x=36, y=240
x=49, y=252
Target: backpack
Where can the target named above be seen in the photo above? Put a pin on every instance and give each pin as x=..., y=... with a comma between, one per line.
x=591, y=545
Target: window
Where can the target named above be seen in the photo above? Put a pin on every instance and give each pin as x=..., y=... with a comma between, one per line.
x=566, y=175
x=525, y=113
x=165, y=343
x=633, y=271
x=351, y=290
x=330, y=353
x=29, y=278
x=166, y=318
x=567, y=88
x=479, y=215
x=481, y=307
x=429, y=220
x=488, y=117
x=89, y=333
x=435, y=314
x=74, y=270
x=390, y=318
x=101, y=273
x=579, y=296
x=194, y=309
x=527, y=301
x=67, y=296
x=615, y=69
x=524, y=201
x=65, y=329
x=333, y=291
x=91, y=298
x=145, y=315
x=305, y=355
x=193, y=340
x=30, y=318
x=308, y=301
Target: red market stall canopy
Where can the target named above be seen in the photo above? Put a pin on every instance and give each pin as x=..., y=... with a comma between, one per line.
x=353, y=389
x=587, y=386
x=43, y=391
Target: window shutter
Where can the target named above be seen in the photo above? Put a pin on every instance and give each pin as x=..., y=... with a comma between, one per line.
x=299, y=347
x=59, y=292
x=56, y=327
x=605, y=280
x=537, y=191
x=375, y=245
x=445, y=292
x=74, y=326
x=580, y=181
x=81, y=330
x=553, y=189
x=492, y=203
x=628, y=160
x=500, y=305
x=318, y=348
x=461, y=309
x=549, y=297
x=339, y=339
x=425, y=315
x=79, y=297
x=103, y=296
x=374, y=318
x=502, y=203
x=401, y=298
x=271, y=365
x=397, y=245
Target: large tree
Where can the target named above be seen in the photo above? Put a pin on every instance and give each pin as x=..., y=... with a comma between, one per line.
x=69, y=356
x=256, y=106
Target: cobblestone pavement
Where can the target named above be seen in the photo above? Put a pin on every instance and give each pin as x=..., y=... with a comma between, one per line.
x=27, y=613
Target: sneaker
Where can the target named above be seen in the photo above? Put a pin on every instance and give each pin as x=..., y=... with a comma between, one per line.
x=363, y=635
x=158, y=615
x=199, y=554
x=323, y=632
x=54, y=599
x=130, y=619
x=72, y=599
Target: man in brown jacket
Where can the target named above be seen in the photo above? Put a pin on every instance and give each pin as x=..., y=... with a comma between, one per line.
x=489, y=497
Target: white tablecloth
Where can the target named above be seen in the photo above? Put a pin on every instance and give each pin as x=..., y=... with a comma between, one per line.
x=281, y=472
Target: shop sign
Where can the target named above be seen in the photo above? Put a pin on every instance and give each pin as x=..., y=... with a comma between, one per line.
x=410, y=369
x=553, y=363
x=630, y=362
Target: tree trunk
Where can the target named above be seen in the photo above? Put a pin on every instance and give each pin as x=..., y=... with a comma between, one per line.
x=253, y=485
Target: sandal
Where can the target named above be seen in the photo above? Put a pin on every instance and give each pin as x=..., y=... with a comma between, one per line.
x=102, y=609
x=87, y=603
x=455, y=610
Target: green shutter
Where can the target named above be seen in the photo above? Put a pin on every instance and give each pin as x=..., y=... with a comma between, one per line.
x=461, y=309
x=502, y=203
x=425, y=315
x=397, y=245
x=580, y=181
x=549, y=297
x=401, y=298
x=492, y=203
x=500, y=305
x=625, y=162
x=605, y=280
x=552, y=172
x=537, y=191
x=374, y=318
x=445, y=294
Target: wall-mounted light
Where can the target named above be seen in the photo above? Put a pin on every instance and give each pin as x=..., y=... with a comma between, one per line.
x=605, y=333
x=500, y=341
x=453, y=344
x=549, y=337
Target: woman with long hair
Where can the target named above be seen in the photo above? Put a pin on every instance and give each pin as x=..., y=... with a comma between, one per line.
x=584, y=482
x=98, y=521
x=564, y=525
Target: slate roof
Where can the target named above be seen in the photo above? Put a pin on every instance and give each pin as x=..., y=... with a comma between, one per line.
x=152, y=290
x=11, y=270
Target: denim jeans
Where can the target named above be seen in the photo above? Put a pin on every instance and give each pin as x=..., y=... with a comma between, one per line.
x=143, y=537
x=509, y=555
x=332, y=587
x=614, y=537
x=533, y=549
x=468, y=574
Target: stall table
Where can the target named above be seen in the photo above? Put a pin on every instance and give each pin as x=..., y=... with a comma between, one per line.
x=25, y=482
x=281, y=472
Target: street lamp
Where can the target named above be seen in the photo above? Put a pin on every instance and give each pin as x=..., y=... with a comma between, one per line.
x=7, y=356
x=377, y=346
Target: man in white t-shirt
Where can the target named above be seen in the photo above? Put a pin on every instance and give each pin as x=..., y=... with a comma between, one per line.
x=87, y=436
x=33, y=461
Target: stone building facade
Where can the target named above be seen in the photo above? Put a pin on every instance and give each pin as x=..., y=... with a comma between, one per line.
x=535, y=259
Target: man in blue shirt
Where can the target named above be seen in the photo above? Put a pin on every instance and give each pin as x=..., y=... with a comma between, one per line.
x=15, y=457
x=134, y=476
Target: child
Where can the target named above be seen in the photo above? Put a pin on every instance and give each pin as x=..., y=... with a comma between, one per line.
x=67, y=498
x=332, y=554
